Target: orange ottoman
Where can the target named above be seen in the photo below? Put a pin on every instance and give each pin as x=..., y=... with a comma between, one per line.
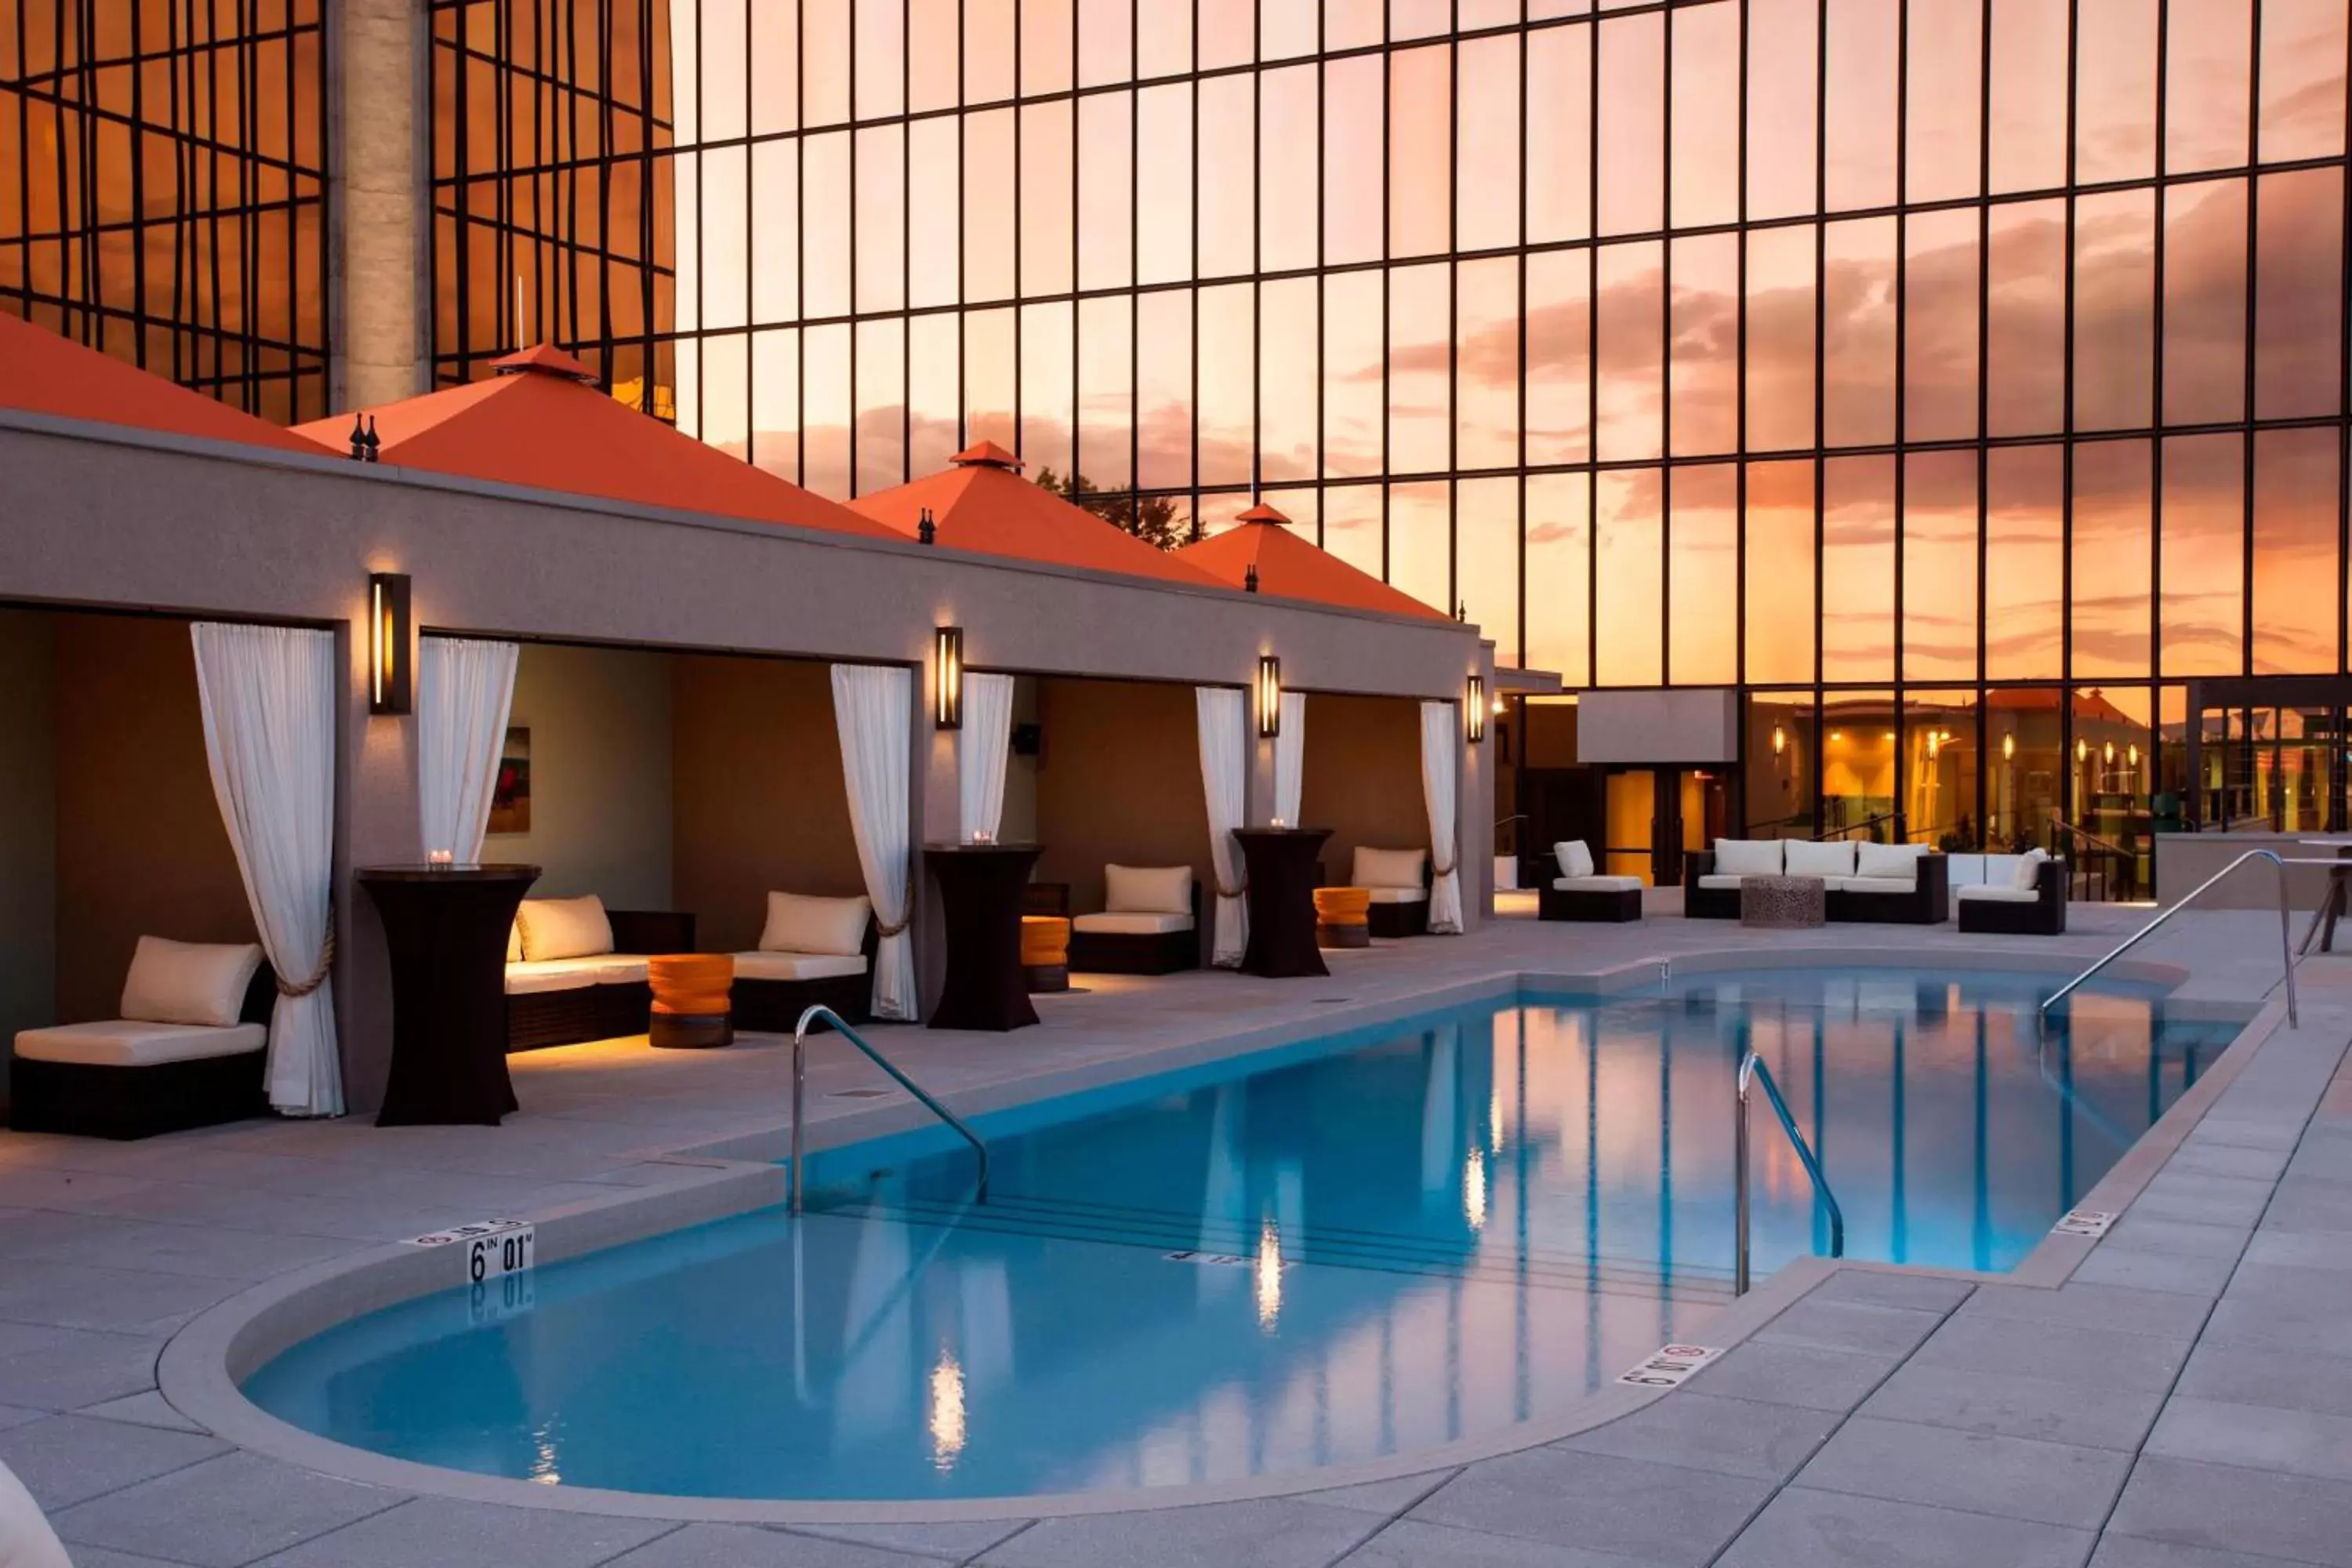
x=692, y=1001
x=1045, y=952
x=1342, y=917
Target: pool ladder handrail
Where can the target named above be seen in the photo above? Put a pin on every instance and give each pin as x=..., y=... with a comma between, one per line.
x=800, y=1082
x=1752, y=1070
x=2286, y=940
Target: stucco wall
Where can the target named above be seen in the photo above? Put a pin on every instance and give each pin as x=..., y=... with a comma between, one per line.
x=600, y=775
x=28, y=841
x=1118, y=780
x=1363, y=778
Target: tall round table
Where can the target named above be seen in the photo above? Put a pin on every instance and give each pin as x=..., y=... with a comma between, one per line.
x=446, y=929
x=1282, y=862
x=981, y=894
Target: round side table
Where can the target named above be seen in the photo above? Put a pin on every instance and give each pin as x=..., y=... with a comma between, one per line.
x=1343, y=917
x=692, y=1001
x=1045, y=952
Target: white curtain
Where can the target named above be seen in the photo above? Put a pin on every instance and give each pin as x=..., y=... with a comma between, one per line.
x=270, y=706
x=1291, y=758
x=987, y=742
x=464, y=687
x=873, y=709
x=1225, y=779
x=1440, y=760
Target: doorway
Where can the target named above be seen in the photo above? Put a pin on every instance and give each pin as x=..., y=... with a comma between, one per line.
x=1656, y=816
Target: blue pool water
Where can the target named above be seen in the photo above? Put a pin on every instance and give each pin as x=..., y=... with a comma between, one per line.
x=1381, y=1243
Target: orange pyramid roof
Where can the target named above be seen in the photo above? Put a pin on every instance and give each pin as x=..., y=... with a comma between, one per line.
x=983, y=504
x=540, y=422
x=46, y=373
x=1289, y=567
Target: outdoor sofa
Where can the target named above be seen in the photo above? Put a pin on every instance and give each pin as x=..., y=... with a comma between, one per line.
x=2019, y=895
x=813, y=951
x=1904, y=884
x=1150, y=924
x=1575, y=890
x=576, y=971
x=1398, y=880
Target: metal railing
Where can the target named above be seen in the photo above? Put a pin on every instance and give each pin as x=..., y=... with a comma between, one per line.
x=2118, y=864
x=1753, y=1070
x=800, y=1084
x=2286, y=940
x=1864, y=826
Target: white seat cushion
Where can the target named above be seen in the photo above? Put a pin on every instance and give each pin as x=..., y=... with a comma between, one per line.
x=534, y=975
x=1397, y=895
x=1834, y=858
x=622, y=969
x=799, y=924
x=1885, y=860
x=188, y=982
x=1991, y=893
x=1148, y=890
x=765, y=965
x=1747, y=856
x=1875, y=884
x=1131, y=922
x=1575, y=859
x=563, y=928
x=133, y=1043
x=1378, y=868
x=1717, y=882
x=1590, y=884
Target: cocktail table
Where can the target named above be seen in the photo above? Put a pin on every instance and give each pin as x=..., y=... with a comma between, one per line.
x=1783, y=902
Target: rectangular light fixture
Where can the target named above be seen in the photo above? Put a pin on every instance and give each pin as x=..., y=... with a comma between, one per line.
x=389, y=686
x=1269, y=697
x=947, y=677
x=1476, y=709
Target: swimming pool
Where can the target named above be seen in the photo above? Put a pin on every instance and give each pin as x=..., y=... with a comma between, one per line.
x=1354, y=1248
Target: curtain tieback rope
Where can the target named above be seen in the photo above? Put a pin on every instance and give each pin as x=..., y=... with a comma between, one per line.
x=1225, y=892
x=1441, y=870
x=317, y=976
x=887, y=931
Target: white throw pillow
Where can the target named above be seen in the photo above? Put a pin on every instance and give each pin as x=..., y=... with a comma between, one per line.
x=2028, y=870
x=797, y=923
x=1888, y=860
x=1575, y=859
x=1148, y=890
x=188, y=982
x=564, y=928
x=1389, y=867
x=1834, y=858
x=1747, y=856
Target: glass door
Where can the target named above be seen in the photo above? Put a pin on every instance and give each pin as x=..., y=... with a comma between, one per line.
x=1633, y=836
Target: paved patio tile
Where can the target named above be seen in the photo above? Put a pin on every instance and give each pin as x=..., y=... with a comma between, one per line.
x=1700, y=1431
x=2010, y=1406
x=2189, y=1238
x=205, y=1251
x=744, y=1546
x=2170, y=1204
x=1877, y=1287
x=222, y=1512
x=67, y=1458
x=2133, y=1552
x=1274, y=1532
x=2226, y=1509
x=99, y=1557
x=1416, y=1543
x=1851, y=1326
x=441, y=1533
x=2014, y=1478
x=148, y=1409
x=1793, y=1374
x=2313, y=1323
x=1808, y=1528
x=17, y=1415
x=2142, y=1270
x=130, y=1301
x=2331, y=1251
x=1387, y=1499
x=2223, y=1126
x=1600, y=1503
x=2109, y=1308
x=2229, y=1160
x=2257, y=1436
x=65, y=1368
x=2248, y=1375
x=954, y=1542
x=2091, y=1357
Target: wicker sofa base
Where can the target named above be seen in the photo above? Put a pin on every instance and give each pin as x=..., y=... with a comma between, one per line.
x=2046, y=916
x=1111, y=952
x=126, y=1103
x=1398, y=919
x=774, y=1007
x=538, y=1019
x=1563, y=904
x=1928, y=903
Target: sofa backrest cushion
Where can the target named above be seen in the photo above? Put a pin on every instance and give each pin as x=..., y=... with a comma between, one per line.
x=1747, y=856
x=1888, y=860
x=514, y=942
x=1575, y=859
x=564, y=928
x=2028, y=870
x=1148, y=890
x=1834, y=858
x=1965, y=870
x=1388, y=868
x=799, y=923
x=188, y=982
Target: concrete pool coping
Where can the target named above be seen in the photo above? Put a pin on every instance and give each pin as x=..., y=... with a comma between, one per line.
x=201, y=1367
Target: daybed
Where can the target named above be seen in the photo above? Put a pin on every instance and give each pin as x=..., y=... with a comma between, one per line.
x=1578, y=893
x=1150, y=924
x=2021, y=895
x=576, y=971
x=1398, y=880
x=813, y=952
x=1904, y=884
x=189, y=1051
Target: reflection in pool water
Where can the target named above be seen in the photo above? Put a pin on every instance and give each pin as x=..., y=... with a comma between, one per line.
x=1332, y=1252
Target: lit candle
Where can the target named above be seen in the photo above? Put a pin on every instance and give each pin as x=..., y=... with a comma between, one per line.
x=439, y=859
x=1279, y=823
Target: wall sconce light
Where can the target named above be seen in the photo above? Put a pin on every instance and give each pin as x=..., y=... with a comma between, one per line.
x=1269, y=697
x=2082, y=751
x=947, y=677
x=387, y=633
x=1476, y=709
x=1935, y=744
x=2110, y=753
x=1779, y=741
x=2131, y=755
x=2009, y=748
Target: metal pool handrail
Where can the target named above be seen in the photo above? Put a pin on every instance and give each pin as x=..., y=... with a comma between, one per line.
x=799, y=1081
x=2286, y=941
x=1753, y=1070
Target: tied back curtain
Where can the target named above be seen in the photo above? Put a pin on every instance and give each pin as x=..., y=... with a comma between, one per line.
x=464, y=689
x=873, y=709
x=1441, y=762
x=987, y=742
x=1290, y=759
x=268, y=696
x=1224, y=780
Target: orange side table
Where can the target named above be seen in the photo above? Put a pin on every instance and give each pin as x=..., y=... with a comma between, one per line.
x=1045, y=952
x=1342, y=917
x=693, y=1001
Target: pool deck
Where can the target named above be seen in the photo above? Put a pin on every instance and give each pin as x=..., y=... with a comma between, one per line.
x=2184, y=1400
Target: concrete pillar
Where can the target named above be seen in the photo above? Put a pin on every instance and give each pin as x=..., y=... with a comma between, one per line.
x=379, y=194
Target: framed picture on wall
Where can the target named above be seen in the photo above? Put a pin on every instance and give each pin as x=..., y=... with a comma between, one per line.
x=511, y=796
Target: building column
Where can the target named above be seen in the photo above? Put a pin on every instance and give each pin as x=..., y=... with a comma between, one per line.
x=378, y=192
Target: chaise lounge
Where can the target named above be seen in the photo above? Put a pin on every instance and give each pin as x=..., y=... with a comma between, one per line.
x=2016, y=895
x=1578, y=893
x=1903, y=884
x=1150, y=924
x=813, y=952
x=576, y=971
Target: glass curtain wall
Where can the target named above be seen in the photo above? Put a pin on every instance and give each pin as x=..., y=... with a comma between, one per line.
x=161, y=189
